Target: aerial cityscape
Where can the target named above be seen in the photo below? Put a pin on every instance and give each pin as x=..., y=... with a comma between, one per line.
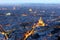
x=30, y=21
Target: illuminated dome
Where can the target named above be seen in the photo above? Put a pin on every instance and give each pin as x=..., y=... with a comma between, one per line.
x=40, y=22
x=30, y=10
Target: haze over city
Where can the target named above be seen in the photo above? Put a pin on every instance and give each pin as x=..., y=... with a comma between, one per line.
x=29, y=1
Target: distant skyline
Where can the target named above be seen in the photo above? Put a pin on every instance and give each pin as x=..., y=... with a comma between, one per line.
x=29, y=1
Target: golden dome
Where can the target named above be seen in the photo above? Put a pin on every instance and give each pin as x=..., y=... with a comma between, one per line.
x=40, y=22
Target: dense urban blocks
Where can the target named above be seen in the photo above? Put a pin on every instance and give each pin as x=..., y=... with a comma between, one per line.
x=30, y=22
